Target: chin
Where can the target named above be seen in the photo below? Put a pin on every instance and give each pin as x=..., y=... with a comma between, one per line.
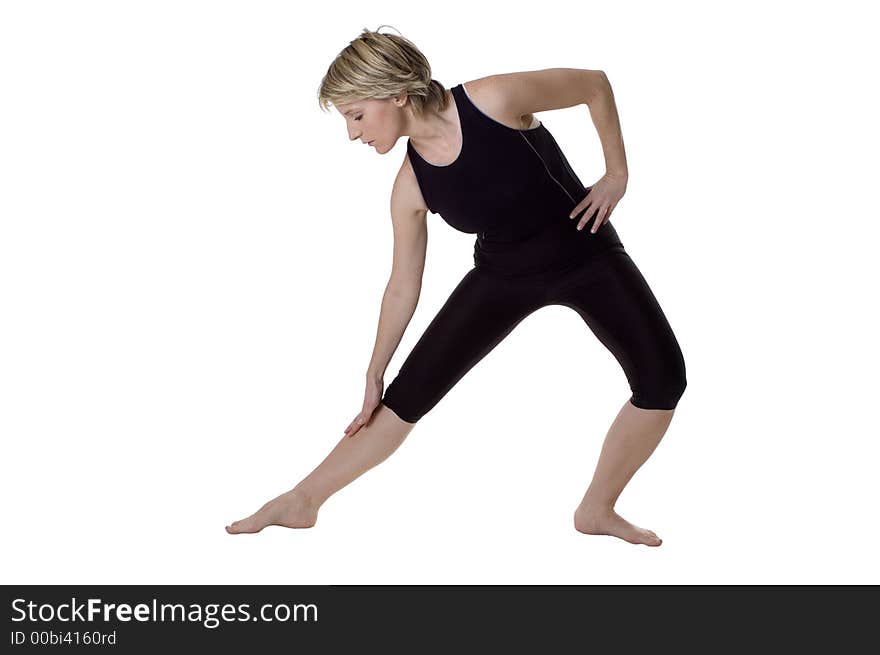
x=382, y=152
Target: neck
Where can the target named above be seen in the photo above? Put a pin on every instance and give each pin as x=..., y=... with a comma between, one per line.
x=432, y=127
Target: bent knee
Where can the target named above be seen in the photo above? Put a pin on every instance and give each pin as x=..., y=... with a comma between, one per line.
x=407, y=415
x=660, y=391
x=411, y=396
x=406, y=401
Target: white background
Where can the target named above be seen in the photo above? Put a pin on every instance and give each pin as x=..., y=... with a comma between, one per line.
x=193, y=255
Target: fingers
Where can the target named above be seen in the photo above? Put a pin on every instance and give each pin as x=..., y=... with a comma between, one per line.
x=596, y=209
x=367, y=417
x=360, y=421
x=585, y=202
x=582, y=204
x=585, y=218
x=600, y=218
x=354, y=426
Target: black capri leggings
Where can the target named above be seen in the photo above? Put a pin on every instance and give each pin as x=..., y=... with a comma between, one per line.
x=607, y=290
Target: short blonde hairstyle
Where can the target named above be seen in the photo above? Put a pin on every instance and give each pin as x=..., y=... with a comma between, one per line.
x=376, y=66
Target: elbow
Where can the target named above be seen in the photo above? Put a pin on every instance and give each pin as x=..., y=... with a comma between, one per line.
x=597, y=85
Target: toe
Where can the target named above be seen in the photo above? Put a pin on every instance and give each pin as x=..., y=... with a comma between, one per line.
x=237, y=527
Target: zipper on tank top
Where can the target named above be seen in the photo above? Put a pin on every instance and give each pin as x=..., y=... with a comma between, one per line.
x=547, y=169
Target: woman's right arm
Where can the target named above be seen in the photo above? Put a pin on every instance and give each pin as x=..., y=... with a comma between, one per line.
x=409, y=216
x=410, y=223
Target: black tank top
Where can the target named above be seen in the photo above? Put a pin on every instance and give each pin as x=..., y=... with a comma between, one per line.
x=514, y=189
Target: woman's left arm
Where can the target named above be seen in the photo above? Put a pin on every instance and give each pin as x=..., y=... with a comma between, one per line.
x=607, y=192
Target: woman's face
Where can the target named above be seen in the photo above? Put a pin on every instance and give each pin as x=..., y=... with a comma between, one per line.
x=377, y=122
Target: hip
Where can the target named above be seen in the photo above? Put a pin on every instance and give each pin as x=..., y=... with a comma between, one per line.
x=554, y=250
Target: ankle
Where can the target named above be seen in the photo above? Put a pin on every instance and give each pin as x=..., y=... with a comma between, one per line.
x=307, y=497
x=597, y=506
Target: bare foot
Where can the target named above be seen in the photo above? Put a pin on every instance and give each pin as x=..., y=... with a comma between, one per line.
x=289, y=510
x=611, y=523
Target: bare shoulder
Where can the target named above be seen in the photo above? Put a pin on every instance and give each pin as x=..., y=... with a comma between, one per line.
x=491, y=95
x=518, y=95
x=406, y=195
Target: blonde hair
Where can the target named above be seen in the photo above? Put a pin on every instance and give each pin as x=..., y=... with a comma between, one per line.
x=378, y=66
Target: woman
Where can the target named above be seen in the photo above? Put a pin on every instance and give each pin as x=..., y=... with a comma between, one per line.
x=477, y=156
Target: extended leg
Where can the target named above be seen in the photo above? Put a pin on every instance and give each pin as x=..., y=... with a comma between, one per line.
x=476, y=317
x=352, y=456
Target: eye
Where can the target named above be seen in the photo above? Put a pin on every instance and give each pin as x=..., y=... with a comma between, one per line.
x=357, y=118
